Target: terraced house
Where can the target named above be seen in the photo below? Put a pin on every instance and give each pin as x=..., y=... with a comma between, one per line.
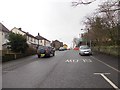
x=31, y=40
x=43, y=41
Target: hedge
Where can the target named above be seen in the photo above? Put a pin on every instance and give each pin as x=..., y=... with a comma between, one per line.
x=111, y=50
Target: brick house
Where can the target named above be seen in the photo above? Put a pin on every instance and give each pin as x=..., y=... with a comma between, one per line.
x=57, y=44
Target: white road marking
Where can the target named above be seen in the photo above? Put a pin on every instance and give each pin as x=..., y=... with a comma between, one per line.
x=90, y=60
x=76, y=60
x=106, y=64
x=71, y=60
x=86, y=60
x=101, y=73
x=108, y=80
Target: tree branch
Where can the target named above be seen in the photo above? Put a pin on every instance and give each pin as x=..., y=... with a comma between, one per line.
x=81, y=2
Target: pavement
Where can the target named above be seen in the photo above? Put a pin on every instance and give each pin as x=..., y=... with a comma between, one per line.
x=67, y=69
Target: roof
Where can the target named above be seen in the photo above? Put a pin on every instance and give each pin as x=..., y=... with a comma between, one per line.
x=26, y=33
x=56, y=41
x=30, y=35
x=3, y=28
x=42, y=38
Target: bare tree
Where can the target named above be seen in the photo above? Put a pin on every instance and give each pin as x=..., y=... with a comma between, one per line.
x=79, y=2
x=110, y=6
x=109, y=12
x=103, y=25
x=82, y=2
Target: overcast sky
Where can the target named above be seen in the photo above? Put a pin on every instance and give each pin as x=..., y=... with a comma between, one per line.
x=53, y=19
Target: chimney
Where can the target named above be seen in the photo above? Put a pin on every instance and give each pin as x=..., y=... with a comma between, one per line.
x=38, y=34
x=20, y=28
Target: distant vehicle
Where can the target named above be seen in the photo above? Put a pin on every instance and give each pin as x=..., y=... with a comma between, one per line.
x=85, y=50
x=61, y=49
x=76, y=48
x=68, y=49
x=45, y=51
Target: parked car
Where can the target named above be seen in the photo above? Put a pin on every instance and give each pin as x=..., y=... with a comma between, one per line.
x=85, y=50
x=45, y=51
x=68, y=49
x=61, y=49
x=76, y=48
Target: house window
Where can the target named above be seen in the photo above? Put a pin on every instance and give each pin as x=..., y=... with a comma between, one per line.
x=44, y=42
x=34, y=39
x=28, y=38
x=31, y=39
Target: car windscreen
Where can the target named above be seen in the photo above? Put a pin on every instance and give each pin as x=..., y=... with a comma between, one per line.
x=41, y=47
x=84, y=47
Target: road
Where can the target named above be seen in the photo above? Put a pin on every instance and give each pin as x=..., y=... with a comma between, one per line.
x=67, y=69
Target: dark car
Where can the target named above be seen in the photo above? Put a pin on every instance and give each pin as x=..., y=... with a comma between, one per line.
x=45, y=51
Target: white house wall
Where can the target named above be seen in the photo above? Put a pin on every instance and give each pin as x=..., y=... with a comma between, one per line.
x=5, y=36
x=40, y=42
x=3, y=39
x=36, y=41
x=0, y=39
x=43, y=42
x=47, y=43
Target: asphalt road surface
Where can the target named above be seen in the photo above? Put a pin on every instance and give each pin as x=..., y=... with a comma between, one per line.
x=67, y=69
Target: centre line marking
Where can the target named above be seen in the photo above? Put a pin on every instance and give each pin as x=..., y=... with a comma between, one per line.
x=106, y=64
x=108, y=80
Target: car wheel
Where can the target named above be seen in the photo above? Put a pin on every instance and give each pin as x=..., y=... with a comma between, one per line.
x=81, y=54
x=38, y=56
x=53, y=54
x=91, y=54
